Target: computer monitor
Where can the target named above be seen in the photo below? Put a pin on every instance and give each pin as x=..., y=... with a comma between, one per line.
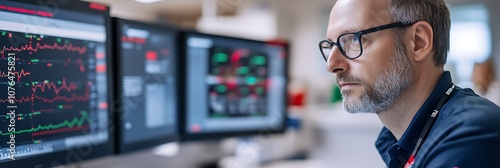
x=233, y=86
x=54, y=82
x=146, y=56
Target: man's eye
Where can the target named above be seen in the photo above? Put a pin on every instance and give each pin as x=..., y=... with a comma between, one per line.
x=355, y=40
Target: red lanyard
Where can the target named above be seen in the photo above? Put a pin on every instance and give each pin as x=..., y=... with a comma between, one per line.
x=428, y=126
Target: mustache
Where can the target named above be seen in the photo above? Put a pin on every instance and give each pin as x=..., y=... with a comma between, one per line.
x=346, y=78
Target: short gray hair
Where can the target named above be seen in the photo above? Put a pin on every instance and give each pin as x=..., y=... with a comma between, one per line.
x=435, y=12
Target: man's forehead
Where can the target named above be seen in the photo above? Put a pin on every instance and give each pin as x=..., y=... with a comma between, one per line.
x=349, y=15
x=373, y=4
x=371, y=9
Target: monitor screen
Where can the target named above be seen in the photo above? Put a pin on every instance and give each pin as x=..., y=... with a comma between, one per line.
x=146, y=55
x=234, y=87
x=54, y=82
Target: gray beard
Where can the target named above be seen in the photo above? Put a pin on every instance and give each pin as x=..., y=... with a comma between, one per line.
x=386, y=89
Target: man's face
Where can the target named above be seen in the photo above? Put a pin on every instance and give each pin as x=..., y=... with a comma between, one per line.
x=373, y=82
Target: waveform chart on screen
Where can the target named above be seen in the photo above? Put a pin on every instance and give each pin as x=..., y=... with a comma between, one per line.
x=55, y=81
x=237, y=83
x=234, y=86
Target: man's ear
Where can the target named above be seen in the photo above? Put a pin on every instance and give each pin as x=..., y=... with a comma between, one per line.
x=422, y=40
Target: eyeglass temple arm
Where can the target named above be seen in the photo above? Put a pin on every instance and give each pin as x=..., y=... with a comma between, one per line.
x=387, y=26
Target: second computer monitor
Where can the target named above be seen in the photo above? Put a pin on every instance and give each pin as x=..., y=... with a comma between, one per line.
x=234, y=87
x=146, y=80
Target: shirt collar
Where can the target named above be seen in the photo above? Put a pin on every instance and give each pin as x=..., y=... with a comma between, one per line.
x=412, y=133
x=386, y=140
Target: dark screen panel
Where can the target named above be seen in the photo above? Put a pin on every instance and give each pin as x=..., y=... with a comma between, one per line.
x=147, y=56
x=54, y=71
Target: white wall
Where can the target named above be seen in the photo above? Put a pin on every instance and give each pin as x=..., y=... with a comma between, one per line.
x=255, y=20
x=127, y=12
x=494, y=13
x=304, y=24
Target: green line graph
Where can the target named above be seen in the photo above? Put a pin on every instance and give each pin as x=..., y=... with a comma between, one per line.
x=69, y=124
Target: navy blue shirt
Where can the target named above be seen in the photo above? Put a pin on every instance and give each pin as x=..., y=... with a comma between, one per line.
x=465, y=134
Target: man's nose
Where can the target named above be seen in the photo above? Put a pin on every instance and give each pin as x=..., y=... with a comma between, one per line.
x=337, y=62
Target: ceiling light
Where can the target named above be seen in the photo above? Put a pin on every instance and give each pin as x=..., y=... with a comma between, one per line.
x=147, y=1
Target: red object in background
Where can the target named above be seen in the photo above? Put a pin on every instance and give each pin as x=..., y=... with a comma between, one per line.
x=99, y=55
x=279, y=42
x=136, y=40
x=236, y=56
x=103, y=105
x=101, y=68
x=195, y=128
x=297, y=98
x=151, y=56
x=231, y=84
x=45, y=14
x=97, y=7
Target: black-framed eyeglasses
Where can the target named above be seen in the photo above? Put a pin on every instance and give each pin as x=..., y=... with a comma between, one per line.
x=350, y=44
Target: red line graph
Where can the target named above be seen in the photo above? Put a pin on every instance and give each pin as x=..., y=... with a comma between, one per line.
x=4, y=74
x=68, y=47
x=22, y=100
x=72, y=98
x=78, y=62
x=51, y=85
x=61, y=130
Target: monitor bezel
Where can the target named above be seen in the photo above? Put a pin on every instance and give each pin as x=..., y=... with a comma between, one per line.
x=120, y=145
x=185, y=135
x=79, y=154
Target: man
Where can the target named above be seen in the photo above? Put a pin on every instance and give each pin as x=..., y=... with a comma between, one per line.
x=388, y=56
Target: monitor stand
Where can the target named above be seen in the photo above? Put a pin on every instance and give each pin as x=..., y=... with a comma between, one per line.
x=233, y=152
x=199, y=154
x=263, y=149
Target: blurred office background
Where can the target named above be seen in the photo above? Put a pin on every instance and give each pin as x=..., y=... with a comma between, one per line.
x=324, y=135
x=473, y=34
